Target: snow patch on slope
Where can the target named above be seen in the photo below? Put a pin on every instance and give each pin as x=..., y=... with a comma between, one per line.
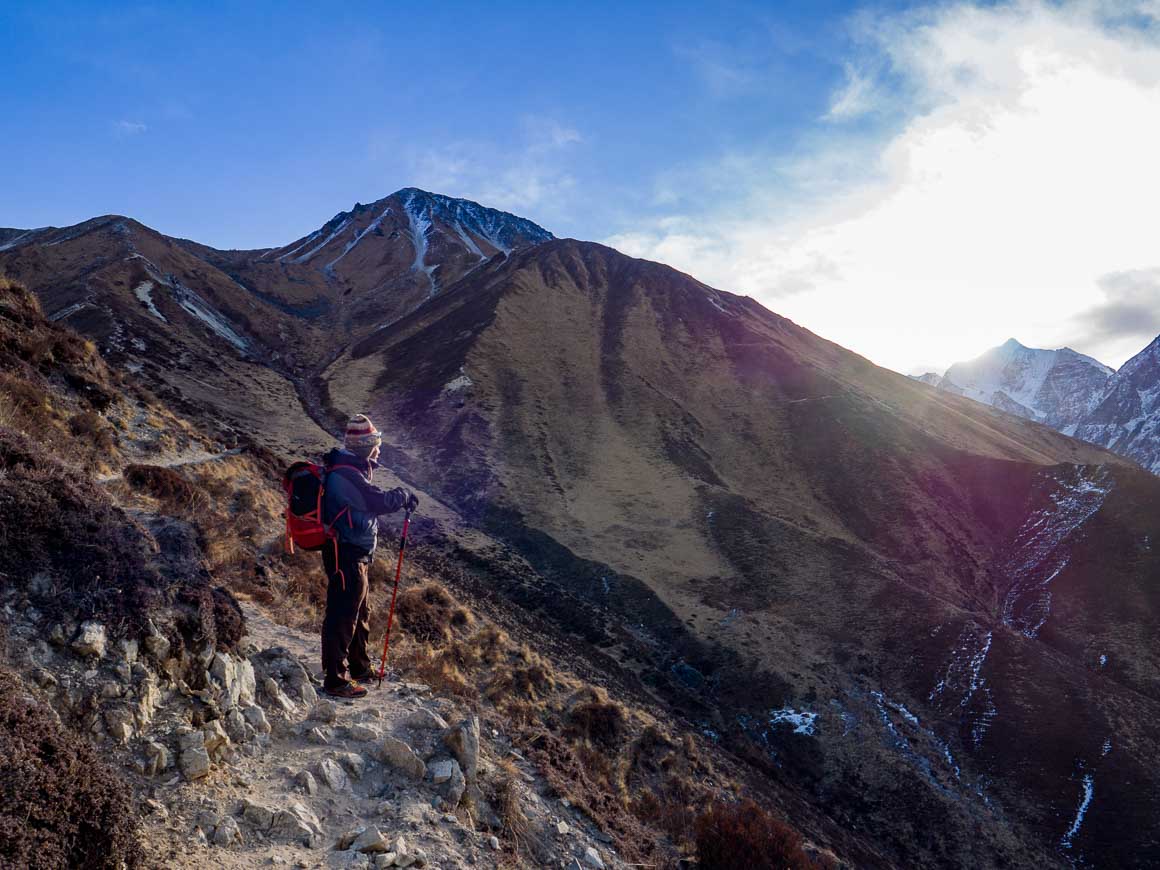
x=144, y=292
x=1039, y=553
x=203, y=311
x=803, y=721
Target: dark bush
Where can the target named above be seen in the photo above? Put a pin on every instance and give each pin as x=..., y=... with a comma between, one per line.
x=599, y=721
x=428, y=613
x=54, y=521
x=60, y=804
x=58, y=522
x=744, y=835
x=164, y=484
x=229, y=623
x=92, y=426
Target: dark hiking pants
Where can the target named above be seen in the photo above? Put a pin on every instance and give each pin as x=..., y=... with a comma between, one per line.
x=346, y=627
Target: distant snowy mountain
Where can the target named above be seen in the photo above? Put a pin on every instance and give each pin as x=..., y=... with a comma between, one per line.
x=1055, y=387
x=1070, y=392
x=1127, y=418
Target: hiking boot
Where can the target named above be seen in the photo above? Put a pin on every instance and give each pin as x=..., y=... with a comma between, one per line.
x=348, y=691
x=369, y=676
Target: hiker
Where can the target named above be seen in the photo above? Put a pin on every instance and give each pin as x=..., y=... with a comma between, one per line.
x=352, y=506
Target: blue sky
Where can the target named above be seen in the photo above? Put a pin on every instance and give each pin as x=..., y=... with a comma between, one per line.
x=903, y=178
x=249, y=124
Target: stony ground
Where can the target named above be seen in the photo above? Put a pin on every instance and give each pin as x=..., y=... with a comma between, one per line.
x=285, y=777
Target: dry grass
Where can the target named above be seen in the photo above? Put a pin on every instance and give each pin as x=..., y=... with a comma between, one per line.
x=167, y=486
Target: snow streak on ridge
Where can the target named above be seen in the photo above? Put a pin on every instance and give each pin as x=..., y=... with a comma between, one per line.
x=371, y=227
x=420, y=225
x=963, y=682
x=1039, y=553
x=1085, y=801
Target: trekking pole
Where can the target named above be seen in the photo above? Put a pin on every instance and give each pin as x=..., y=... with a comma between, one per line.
x=394, y=593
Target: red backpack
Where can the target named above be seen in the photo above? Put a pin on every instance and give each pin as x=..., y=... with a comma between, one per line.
x=304, y=484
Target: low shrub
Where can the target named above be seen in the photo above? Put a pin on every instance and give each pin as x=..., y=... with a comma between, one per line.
x=598, y=720
x=92, y=427
x=164, y=484
x=61, y=805
x=745, y=835
x=429, y=613
x=103, y=565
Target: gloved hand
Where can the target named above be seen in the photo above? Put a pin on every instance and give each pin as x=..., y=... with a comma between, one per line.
x=412, y=501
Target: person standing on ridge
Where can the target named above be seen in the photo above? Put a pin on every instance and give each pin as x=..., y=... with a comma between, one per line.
x=351, y=507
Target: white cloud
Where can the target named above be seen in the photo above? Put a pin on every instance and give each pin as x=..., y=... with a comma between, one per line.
x=718, y=67
x=534, y=175
x=1025, y=170
x=129, y=128
x=856, y=98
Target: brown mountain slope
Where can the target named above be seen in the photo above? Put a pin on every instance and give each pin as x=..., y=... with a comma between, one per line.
x=231, y=333
x=892, y=595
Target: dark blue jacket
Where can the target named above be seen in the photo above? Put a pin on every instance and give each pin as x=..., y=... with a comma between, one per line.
x=353, y=504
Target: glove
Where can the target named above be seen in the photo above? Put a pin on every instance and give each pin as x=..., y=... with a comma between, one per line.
x=412, y=501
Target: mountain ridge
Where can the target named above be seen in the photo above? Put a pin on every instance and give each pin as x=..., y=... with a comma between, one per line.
x=750, y=522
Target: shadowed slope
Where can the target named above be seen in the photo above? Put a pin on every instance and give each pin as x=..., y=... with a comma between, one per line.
x=787, y=527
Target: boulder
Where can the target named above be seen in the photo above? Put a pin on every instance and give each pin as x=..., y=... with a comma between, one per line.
x=321, y=736
x=187, y=738
x=386, y=859
x=363, y=733
x=119, y=724
x=307, y=693
x=255, y=716
x=354, y=763
x=370, y=842
x=194, y=762
x=454, y=788
x=349, y=837
x=91, y=640
x=307, y=782
x=247, y=682
x=592, y=859
x=400, y=756
x=236, y=725
x=404, y=857
x=324, y=711
x=296, y=824
x=157, y=645
x=257, y=815
x=156, y=758
x=148, y=695
x=276, y=696
x=440, y=771
x=226, y=832
x=463, y=741
x=128, y=650
x=215, y=738
x=332, y=775
x=425, y=720
x=224, y=674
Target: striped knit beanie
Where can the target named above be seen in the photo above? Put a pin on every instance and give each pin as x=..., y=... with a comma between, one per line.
x=361, y=433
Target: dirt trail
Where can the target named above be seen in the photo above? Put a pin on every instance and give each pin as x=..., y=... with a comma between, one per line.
x=323, y=761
